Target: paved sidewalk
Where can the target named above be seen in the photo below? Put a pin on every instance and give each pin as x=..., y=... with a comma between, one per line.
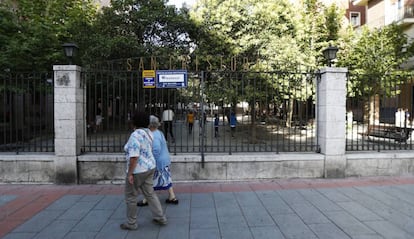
x=359, y=208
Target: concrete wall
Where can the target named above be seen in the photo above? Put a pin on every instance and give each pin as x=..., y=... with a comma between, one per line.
x=110, y=168
x=27, y=168
x=397, y=163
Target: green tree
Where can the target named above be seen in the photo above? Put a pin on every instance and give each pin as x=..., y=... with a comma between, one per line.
x=132, y=28
x=376, y=53
x=271, y=31
x=319, y=26
x=245, y=28
x=33, y=31
x=374, y=58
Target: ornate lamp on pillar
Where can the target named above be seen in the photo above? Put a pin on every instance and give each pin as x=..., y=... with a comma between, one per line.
x=70, y=51
x=330, y=54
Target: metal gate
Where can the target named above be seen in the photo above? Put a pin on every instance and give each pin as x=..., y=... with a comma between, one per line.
x=26, y=112
x=275, y=111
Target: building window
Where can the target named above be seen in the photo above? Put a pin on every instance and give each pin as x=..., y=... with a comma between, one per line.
x=355, y=18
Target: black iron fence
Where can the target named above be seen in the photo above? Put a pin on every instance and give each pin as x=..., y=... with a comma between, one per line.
x=26, y=112
x=380, y=112
x=275, y=111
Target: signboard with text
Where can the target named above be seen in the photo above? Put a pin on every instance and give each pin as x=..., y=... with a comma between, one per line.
x=171, y=78
x=148, y=79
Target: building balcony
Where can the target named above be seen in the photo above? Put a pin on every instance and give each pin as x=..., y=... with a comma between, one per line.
x=406, y=15
x=409, y=11
x=359, y=2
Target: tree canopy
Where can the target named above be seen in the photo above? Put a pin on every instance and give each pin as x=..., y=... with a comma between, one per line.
x=32, y=32
x=374, y=57
x=283, y=35
x=131, y=28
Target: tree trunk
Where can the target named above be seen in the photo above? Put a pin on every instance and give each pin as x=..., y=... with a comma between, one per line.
x=371, y=111
x=253, y=131
x=289, y=113
x=374, y=110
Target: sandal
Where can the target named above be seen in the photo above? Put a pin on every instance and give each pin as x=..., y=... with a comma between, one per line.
x=142, y=203
x=172, y=201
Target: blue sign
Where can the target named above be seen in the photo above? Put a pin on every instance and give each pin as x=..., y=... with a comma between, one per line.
x=171, y=78
x=148, y=78
x=149, y=82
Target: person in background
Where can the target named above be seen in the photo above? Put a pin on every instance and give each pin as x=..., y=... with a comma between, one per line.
x=204, y=117
x=141, y=166
x=98, y=117
x=202, y=121
x=233, y=122
x=216, y=125
x=167, y=119
x=399, y=118
x=407, y=117
x=190, y=121
x=162, y=176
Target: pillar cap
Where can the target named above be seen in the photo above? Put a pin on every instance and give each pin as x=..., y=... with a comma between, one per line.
x=66, y=68
x=333, y=70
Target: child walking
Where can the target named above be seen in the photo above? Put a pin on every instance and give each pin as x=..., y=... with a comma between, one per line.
x=216, y=125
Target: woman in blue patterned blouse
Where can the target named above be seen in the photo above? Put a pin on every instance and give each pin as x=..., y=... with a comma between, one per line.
x=141, y=166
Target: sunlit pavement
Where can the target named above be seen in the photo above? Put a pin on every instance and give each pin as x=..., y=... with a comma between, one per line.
x=370, y=207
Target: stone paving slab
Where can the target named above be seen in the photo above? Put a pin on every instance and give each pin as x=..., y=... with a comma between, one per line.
x=351, y=208
x=6, y=198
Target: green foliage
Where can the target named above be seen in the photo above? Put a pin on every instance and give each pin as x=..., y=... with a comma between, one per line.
x=333, y=20
x=273, y=33
x=374, y=58
x=243, y=27
x=33, y=31
x=131, y=28
x=261, y=31
x=319, y=25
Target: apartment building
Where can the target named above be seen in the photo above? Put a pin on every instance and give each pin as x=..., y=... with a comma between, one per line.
x=356, y=15
x=384, y=12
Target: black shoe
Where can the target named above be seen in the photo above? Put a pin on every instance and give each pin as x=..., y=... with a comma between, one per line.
x=172, y=201
x=127, y=226
x=159, y=222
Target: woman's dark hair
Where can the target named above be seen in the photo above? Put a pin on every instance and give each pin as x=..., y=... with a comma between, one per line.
x=140, y=119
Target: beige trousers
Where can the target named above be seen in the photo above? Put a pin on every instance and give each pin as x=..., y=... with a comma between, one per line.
x=143, y=182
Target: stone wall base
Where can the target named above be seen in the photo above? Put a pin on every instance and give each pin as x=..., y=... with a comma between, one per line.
x=27, y=168
x=110, y=168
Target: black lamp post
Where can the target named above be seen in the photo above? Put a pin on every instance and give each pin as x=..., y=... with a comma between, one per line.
x=70, y=51
x=330, y=54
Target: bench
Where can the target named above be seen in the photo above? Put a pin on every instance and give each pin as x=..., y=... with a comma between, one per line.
x=399, y=134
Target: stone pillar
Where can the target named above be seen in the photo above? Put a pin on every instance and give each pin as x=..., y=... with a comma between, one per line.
x=331, y=116
x=69, y=121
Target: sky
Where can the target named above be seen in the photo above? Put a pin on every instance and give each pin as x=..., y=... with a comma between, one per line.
x=178, y=3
